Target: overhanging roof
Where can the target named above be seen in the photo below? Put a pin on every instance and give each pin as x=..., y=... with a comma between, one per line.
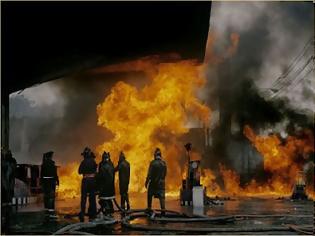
x=42, y=41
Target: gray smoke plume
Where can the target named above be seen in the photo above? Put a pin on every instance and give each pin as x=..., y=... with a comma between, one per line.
x=61, y=116
x=271, y=35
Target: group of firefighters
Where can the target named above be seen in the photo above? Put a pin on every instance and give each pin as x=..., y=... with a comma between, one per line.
x=100, y=179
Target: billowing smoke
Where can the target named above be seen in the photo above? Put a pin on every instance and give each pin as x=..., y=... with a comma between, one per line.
x=271, y=35
x=61, y=116
x=242, y=87
x=258, y=41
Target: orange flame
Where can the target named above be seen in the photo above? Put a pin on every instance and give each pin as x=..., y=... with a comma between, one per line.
x=155, y=116
x=69, y=180
x=143, y=119
x=283, y=159
x=208, y=179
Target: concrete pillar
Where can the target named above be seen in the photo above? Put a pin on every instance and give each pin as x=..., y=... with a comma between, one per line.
x=5, y=120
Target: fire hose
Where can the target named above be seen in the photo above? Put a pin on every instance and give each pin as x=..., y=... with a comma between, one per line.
x=72, y=228
x=177, y=217
x=306, y=229
x=215, y=230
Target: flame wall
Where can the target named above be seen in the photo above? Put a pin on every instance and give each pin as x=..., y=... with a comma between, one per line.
x=154, y=116
x=142, y=119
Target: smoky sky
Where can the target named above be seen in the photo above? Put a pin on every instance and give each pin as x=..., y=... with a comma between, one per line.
x=271, y=34
x=68, y=124
x=61, y=115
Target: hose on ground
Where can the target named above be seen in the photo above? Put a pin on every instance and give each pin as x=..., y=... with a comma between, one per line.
x=76, y=232
x=271, y=216
x=177, y=217
x=197, y=219
x=204, y=230
x=81, y=225
x=308, y=229
x=119, y=208
x=285, y=228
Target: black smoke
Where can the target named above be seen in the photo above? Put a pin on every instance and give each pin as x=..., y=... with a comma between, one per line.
x=270, y=37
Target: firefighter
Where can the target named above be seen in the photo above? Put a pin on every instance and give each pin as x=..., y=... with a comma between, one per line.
x=106, y=184
x=9, y=164
x=49, y=180
x=88, y=169
x=123, y=169
x=155, y=181
x=8, y=168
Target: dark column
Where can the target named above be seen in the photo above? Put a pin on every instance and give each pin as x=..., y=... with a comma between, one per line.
x=4, y=120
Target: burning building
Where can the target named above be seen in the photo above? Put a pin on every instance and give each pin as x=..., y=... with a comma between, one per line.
x=137, y=117
x=165, y=85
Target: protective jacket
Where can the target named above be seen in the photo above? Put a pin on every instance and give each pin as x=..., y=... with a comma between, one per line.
x=49, y=170
x=156, y=177
x=106, y=179
x=88, y=186
x=49, y=179
x=123, y=169
x=88, y=166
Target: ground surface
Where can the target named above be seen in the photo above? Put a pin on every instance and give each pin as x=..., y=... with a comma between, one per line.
x=31, y=220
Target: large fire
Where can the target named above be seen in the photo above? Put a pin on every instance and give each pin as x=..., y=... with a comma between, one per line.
x=70, y=181
x=154, y=116
x=282, y=159
x=143, y=119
